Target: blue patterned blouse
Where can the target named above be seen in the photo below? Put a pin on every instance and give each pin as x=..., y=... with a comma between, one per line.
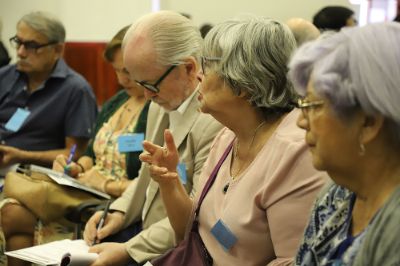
x=327, y=239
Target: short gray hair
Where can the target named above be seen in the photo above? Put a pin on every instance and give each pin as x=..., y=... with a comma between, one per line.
x=254, y=54
x=355, y=68
x=174, y=36
x=46, y=24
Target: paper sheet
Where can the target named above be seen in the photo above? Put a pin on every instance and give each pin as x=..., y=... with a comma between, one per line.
x=70, y=252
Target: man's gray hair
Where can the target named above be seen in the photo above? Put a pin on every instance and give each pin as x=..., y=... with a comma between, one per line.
x=46, y=24
x=254, y=54
x=175, y=37
x=357, y=67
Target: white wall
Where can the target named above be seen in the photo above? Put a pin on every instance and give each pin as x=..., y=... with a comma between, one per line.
x=84, y=20
x=99, y=20
x=215, y=11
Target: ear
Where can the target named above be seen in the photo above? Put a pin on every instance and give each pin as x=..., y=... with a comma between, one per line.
x=244, y=95
x=371, y=127
x=59, y=48
x=191, y=68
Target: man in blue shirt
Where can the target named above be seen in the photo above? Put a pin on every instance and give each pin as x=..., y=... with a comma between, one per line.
x=45, y=107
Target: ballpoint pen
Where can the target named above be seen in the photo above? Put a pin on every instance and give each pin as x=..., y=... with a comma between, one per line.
x=102, y=220
x=70, y=157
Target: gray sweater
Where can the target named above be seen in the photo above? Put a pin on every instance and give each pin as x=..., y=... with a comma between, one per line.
x=381, y=245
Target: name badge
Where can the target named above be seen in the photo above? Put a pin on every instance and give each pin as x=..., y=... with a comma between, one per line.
x=130, y=142
x=181, y=168
x=18, y=118
x=223, y=235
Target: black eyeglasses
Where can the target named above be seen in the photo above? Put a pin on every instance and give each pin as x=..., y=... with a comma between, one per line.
x=30, y=46
x=205, y=60
x=154, y=87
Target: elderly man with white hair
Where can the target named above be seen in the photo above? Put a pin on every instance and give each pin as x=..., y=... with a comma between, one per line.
x=161, y=53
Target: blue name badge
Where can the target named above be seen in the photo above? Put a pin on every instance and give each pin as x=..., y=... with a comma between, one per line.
x=223, y=235
x=130, y=142
x=18, y=118
x=181, y=168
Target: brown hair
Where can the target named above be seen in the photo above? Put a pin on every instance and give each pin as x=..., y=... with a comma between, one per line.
x=114, y=44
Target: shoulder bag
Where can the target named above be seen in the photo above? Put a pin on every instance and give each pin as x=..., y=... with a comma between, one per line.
x=192, y=251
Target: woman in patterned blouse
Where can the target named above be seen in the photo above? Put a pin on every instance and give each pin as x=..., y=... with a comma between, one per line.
x=351, y=114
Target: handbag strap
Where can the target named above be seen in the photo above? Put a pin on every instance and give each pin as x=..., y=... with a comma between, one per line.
x=211, y=179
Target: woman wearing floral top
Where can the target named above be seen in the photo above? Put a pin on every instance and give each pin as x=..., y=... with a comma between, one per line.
x=351, y=115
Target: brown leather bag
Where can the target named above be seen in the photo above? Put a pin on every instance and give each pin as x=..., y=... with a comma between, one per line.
x=46, y=199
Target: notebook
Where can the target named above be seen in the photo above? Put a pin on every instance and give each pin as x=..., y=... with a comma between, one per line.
x=61, y=253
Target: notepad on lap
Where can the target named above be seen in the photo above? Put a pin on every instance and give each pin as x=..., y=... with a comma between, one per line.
x=64, y=253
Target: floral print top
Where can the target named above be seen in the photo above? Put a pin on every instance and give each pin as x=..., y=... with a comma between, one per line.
x=109, y=161
x=327, y=238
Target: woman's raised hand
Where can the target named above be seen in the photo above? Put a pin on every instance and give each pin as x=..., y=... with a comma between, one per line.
x=162, y=160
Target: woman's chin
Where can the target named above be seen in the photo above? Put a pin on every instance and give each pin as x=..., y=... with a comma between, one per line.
x=317, y=163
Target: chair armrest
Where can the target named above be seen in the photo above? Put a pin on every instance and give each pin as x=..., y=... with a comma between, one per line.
x=82, y=212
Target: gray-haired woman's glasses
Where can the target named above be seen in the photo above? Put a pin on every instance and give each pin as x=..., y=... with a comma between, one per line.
x=205, y=60
x=306, y=105
x=154, y=87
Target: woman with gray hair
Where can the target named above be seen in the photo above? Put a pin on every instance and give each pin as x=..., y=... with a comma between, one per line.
x=351, y=115
x=256, y=209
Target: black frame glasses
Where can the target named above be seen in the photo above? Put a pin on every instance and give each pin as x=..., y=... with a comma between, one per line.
x=204, y=60
x=30, y=46
x=305, y=105
x=154, y=87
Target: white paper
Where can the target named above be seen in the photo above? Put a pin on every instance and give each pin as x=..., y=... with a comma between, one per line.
x=66, y=180
x=53, y=253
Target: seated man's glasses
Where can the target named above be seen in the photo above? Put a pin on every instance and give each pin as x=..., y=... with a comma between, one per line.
x=205, y=61
x=305, y=105
x=30, y=46
x=154, y=87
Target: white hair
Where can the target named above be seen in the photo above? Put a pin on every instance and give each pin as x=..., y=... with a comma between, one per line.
x=175, y=37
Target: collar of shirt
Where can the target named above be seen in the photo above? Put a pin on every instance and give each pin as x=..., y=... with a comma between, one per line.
x=60, y=71
x=176, y=116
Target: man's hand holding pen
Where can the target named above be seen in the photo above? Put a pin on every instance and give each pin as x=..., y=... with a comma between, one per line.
x=113, y=223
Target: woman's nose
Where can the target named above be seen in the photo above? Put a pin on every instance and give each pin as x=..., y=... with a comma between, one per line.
x=302, y=121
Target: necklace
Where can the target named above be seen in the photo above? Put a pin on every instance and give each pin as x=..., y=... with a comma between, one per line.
x=235, y=155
